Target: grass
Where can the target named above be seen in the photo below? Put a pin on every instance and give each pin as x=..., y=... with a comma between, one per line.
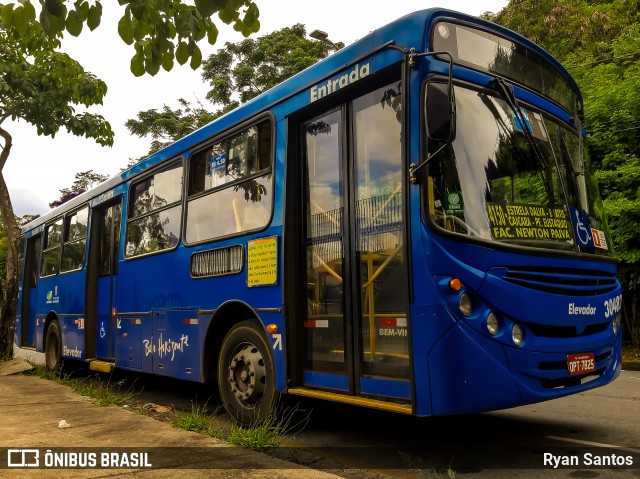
x=420, y=468
x=7, y=356
x=267, y=434
x=104, y=392
x=198, y=420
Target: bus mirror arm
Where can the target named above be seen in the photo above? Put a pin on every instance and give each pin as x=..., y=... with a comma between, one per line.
x=414, y=168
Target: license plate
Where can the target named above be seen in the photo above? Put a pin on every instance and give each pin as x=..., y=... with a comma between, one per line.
x=580, y=363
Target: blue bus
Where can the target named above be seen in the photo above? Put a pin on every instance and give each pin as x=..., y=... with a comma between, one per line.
x=412, y=224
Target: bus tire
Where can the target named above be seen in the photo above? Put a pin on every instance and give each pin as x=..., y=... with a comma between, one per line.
x=53, y=347
x=246, y=377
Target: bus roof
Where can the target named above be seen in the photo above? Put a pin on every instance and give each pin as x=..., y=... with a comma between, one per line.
x=407, y=32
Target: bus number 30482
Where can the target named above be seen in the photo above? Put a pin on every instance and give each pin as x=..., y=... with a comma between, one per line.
x=612, y=306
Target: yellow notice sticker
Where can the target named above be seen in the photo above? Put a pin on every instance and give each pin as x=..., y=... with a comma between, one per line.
x=262, y=262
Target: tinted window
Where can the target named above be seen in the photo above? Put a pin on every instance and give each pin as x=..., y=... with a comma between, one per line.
x=155, y=213
x=488, y=52
x=75, y=237
x=109, y=239
x=157, y=191
x=51, y=253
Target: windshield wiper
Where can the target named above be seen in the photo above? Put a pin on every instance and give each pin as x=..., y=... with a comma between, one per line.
x=510, y=98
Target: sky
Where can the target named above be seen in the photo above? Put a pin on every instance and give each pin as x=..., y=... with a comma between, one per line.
x=40, y=166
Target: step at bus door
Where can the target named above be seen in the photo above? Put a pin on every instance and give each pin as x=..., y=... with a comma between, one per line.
x=354, y=311
x=100, y=322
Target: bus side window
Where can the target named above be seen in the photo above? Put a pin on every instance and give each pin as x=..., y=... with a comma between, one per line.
x=155, y=207
x=51, y=251
x=230, y=185
x=75, y=239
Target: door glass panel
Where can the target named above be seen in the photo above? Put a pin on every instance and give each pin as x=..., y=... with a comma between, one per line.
x=110, y=240
x=108, y=247
x=324, y=323
x=34, y=270
x=379, y=233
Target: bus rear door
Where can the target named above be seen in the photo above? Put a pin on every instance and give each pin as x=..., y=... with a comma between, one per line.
x=101, y=281
x=30, y=292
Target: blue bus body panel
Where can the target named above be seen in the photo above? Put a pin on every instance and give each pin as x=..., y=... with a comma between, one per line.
x=470, y=371
x=62, y=297
x=104, y=326
x=31, y=320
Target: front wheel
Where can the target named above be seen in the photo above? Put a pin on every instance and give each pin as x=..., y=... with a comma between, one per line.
x=246, y=376
x=53, y=347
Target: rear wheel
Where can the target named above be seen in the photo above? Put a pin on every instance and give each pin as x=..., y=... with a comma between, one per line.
x=53, y=347
x=246, y=376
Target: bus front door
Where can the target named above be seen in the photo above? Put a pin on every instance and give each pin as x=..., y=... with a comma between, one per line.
x=30, y=292
x=354, y=311
x=101, y=282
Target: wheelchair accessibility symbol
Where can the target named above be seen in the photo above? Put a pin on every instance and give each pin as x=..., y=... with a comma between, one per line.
x=103, y=333
x=582, y=228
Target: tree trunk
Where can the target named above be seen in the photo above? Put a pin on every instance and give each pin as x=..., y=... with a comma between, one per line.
x=635, y=329
x=10, y=296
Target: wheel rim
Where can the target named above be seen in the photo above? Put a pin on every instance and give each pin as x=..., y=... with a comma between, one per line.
x=247, y=375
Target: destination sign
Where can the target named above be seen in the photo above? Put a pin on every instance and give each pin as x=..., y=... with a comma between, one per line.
x=531, y=222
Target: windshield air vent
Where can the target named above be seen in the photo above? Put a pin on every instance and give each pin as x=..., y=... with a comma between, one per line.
x=564, y=281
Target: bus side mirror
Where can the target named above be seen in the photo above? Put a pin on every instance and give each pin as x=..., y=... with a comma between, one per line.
x=441, y=112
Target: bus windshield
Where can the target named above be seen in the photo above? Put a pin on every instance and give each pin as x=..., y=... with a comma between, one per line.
x=492, y=184
x=491, y=53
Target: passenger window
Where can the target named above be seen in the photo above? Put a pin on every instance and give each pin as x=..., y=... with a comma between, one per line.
x=75, y=240
x=155, y=213
x=51, y=251
x=230, y=186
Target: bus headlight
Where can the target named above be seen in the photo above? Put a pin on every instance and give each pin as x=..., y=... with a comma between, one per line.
x=465, y=304
x=493, y=325
x=616, y=324
x=517, y=335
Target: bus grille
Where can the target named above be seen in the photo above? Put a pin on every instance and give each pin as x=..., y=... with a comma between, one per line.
x=217, y=262
x=549, y=331
x=564, y=281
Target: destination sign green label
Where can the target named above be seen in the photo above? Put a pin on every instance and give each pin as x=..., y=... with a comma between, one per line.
x=532, y=222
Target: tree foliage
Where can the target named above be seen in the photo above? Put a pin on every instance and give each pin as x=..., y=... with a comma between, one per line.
x=243, y=70
x=159, y=31
x=599, y=41
x=236, y=74
x=168, y=125
x=43, y=87
x=83, y=181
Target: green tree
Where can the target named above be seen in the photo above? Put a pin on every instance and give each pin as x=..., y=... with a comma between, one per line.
x=160, y=31
x=599, y=41
x=243, y=70
x=168, y=125
x=42, y=87
x=84, y=180
x=236, y=73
